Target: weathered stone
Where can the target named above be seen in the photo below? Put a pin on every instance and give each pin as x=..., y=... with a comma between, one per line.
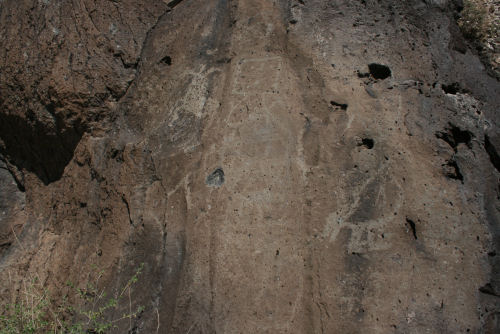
x=264, y=189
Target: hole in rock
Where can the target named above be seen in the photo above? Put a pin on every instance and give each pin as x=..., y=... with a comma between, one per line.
x=452, y=88
x=453, y=135
x=166, y=60
x=413, y=227
x=216, y=178
x=379, y=71
x=337, y=106
x=367, y=142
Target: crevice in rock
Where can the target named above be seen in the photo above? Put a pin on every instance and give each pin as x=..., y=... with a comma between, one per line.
x=125, y=64
x=453, y=171
x=453, y=135
x=492, y=153
x=489, y=290
x=124, y=200
x=379, y=71
x=170, y=5
x=413, y=227
x=174, y=3
x=338, y=106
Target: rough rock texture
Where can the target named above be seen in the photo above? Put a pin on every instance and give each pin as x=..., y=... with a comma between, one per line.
x=303, y=166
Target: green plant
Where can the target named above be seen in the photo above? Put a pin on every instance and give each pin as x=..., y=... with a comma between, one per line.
x=29, y=314
x=477, y=21
x=473, y=21
x=480, y=23
x=37, y=312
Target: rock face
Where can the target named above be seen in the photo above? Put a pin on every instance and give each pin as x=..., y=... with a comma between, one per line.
x=279, y=166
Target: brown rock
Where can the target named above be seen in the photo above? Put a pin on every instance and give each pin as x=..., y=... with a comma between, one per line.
x=200, y=138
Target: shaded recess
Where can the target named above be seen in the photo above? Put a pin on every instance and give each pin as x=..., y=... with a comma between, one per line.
x=413, y=227
x=64, y=67
x=166, y=60
x=453, y=135
x=32, y=145
x=488, y=289
x=337, y=106
x=173, y=3
x=492, y=152
x=453, y=171
x=379, y=71
x=367, y=142
x=452, y=88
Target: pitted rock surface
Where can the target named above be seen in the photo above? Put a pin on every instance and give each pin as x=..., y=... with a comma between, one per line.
x=302, y=166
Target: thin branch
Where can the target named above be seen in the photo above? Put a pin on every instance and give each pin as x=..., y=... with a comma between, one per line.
x=130, y=309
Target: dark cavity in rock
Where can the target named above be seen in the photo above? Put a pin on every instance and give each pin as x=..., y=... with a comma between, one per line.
x=174, y=3
x=492, y=152
x=453, y=135
x=166, y=60
x=337, y=106
x=452, y=88
x=489, y=290
x=39, y=147
x=379, y=71
x=367, y=142
x=216, y=178
x=413, y=227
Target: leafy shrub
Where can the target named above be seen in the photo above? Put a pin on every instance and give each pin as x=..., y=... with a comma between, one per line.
x=36, y=312
x=474, y=21
x=480, y=23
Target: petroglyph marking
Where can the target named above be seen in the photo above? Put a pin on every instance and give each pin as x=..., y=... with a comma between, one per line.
x=367, y=232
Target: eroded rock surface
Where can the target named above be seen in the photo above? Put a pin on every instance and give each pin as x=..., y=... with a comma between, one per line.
x=279, y=166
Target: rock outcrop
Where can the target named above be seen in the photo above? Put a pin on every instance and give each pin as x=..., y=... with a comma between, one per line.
x=302, y=166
